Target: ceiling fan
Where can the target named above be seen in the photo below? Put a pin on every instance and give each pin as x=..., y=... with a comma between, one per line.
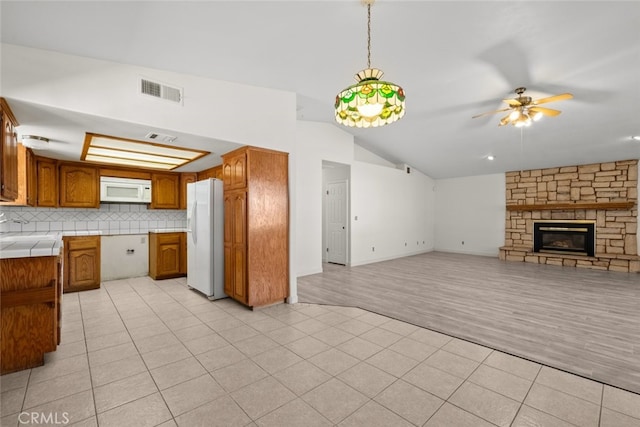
x=524, y=110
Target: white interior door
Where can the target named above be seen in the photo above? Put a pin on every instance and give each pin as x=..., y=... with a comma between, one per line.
x=336, y=205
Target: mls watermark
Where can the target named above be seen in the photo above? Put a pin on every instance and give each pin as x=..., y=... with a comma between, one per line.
x=49, y=418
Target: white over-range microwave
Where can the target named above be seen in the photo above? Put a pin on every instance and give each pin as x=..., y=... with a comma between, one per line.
x=125, y=190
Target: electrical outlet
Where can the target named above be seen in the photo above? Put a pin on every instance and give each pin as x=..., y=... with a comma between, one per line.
x=405, y=243
x=373, y=248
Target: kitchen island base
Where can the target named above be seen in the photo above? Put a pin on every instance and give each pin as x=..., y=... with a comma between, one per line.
x=30, y=304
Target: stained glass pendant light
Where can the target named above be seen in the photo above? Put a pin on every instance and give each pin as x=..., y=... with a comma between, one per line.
x=370, y=102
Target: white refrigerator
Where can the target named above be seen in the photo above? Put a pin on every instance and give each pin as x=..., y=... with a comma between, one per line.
x=205, y=238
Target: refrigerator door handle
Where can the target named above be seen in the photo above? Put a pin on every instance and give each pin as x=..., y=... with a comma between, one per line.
x=193, y=222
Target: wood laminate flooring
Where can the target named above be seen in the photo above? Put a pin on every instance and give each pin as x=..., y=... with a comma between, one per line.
x=582, y=321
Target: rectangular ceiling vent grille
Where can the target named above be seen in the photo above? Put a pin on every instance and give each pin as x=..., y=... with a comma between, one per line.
x=160, y=137
x=161, y=91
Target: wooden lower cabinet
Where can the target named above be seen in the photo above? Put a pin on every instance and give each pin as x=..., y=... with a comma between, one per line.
x=31, y=315
x=81, y=263
x=167, y=255
x=235, y=245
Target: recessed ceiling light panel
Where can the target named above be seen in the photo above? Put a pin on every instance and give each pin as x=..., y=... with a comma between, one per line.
x=130, y=152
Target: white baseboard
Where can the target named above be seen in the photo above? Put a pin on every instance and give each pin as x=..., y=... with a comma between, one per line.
x=371, y=261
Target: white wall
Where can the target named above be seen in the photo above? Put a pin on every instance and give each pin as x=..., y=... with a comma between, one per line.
x=470, y=210
x=395, y=211
x=315, y=142
x=124, y=256
x=363, y=155
x=392, y=207
x=108, y=89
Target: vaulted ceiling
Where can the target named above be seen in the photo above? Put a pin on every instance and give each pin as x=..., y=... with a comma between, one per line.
x=454, y=59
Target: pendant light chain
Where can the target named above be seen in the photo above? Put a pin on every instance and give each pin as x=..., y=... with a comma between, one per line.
x=369, y=35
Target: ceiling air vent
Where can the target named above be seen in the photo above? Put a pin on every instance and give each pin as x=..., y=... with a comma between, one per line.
x=160, y=137
x=160, y=90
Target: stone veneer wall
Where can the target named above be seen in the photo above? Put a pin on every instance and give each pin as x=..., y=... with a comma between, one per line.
x=616, y=229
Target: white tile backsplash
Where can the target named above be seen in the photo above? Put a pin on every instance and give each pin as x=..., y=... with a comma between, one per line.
x=111, y=218
x=42, y=226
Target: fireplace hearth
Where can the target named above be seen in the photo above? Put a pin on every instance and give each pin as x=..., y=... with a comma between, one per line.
x=566, y=237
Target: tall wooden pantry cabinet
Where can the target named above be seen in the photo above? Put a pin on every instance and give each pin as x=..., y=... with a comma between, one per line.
x=256, y=226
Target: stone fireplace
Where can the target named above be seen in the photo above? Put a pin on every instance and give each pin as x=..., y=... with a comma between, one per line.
x=604, y=195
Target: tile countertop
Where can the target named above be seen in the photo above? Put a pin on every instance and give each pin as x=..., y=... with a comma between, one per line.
x=168, y=230
x=32, y=244
x=35, y=243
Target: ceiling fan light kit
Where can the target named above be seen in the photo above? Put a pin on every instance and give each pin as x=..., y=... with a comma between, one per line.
x=524, y=110
x=370, y=102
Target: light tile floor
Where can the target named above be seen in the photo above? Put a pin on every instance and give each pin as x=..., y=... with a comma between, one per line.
x=140, y=352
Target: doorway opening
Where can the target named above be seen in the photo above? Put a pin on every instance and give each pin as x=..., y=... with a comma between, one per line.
x=335, y=213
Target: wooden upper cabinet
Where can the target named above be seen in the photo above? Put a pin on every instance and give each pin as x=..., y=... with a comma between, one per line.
x=31, y=178
x=217, y=172
x=214, y=172
x=26, y=179
x=47, y=182
x=165, y=191
x=79, y=186
x=124, y=172
x=9, y=154
x=234, y=170
x=186, y=178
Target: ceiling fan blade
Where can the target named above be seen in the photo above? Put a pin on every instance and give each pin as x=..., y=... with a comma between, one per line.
x=545, y=111
x=513, y=102
x=505, y=120
x=554, y=98
x=490, y=112
x=510, y=60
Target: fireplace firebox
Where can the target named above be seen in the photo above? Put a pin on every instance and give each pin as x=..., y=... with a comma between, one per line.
x=566, y=237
